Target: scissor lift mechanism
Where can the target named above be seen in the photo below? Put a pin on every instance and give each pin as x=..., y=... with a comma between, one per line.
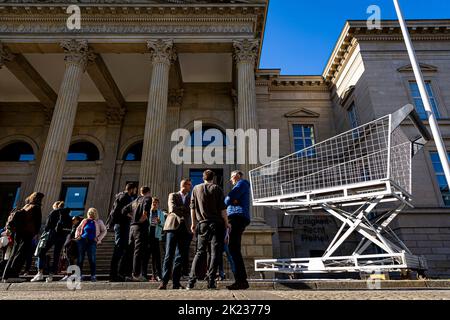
x=350, y=177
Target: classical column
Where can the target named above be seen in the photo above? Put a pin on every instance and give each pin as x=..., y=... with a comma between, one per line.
x=60, y=132
x=152, y=163
x=245, y=54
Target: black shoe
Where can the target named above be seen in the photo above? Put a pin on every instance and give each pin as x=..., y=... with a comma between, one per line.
x=239, y=286
x=212, y=286
x=178, y=287
x=190, y=286
x=117, y=279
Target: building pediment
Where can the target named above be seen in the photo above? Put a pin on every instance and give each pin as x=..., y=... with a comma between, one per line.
x=423, y=66
x=302, y=113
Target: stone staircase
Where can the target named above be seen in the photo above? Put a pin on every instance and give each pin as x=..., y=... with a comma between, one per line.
x=104, y=255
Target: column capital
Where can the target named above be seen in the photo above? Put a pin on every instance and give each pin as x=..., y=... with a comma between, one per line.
x=246, y=51
x=5, y=55
x=78, y=52
x=162, y=51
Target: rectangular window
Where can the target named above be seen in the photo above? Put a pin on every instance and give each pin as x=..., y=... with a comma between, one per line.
x=442, y=182
x=74, y=196
x=303, y=136
x=353, y=116
x=415, y=94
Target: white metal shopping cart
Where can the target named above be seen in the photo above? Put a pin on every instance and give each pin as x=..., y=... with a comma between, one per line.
x=362, y=178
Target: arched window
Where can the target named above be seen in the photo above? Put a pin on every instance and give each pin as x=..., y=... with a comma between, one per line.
x=83, y=151
x=134, y=153
x=208, y=137
x=17, y=151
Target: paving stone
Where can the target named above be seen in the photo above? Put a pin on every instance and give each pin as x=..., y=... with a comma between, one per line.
x=205, y=295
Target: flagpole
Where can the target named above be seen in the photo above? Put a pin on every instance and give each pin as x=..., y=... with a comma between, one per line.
x=440, y=146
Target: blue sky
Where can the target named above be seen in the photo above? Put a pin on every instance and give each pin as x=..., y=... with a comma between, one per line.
x=300, y=34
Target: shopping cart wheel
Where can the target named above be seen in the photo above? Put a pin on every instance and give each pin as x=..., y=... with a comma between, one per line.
x=421, y=275
x=406, y=274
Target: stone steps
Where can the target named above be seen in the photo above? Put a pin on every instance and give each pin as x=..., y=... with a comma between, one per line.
x=289, y=285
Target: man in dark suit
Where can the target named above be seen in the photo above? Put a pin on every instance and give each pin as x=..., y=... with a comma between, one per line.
x=178, y=235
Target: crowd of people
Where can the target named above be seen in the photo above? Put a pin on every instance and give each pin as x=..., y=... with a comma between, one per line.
x=202, y=213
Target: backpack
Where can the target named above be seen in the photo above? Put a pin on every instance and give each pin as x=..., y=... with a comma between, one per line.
x=15, y=219
x=93, y=227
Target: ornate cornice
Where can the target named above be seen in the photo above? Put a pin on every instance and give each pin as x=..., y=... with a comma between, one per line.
x=276, y=82
x=179, y=21
x=77, y=52
x=171, y=2
x=246, y=51
x=162, y=51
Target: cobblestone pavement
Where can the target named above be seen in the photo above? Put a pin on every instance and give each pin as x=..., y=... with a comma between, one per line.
x=227, y=295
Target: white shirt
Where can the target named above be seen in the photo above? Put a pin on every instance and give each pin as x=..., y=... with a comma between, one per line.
x=184, y=196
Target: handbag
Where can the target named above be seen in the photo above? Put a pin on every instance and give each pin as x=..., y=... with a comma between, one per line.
x=4, y=241
x=43, y=240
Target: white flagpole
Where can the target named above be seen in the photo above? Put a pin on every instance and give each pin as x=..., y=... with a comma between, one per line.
x=440, y=146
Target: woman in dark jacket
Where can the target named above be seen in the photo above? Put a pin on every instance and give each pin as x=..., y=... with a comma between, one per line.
x=57, y=227
x=24, y=224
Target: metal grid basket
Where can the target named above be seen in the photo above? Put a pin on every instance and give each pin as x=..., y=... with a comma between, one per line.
x=364, y=162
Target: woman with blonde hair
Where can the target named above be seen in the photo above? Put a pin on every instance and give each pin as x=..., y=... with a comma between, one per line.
x=89, y=234
x=57, y=227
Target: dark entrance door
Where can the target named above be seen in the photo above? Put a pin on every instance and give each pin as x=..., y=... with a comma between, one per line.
x=196, y=176
x=9, y=196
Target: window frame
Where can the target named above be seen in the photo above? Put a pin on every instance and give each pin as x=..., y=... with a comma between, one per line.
x=437, y=110
x=85, y=142
x=435, y=179
x=12, y=143
x=128, y=152
x=352, y=106
x=444, y=114
x=304, y=124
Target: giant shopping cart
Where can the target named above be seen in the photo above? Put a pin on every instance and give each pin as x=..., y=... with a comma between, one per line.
x=362, y=178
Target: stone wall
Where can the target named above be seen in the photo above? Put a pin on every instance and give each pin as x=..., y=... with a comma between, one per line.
x=427, y=233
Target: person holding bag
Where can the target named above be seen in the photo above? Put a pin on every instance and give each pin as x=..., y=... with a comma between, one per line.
x=57, y=227
x=89, y=234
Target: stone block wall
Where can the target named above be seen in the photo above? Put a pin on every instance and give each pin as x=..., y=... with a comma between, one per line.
x=428, y=235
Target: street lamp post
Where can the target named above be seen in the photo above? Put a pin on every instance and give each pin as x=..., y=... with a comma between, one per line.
x=424, y=95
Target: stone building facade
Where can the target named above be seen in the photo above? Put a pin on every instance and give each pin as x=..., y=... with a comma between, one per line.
x=83, y=112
